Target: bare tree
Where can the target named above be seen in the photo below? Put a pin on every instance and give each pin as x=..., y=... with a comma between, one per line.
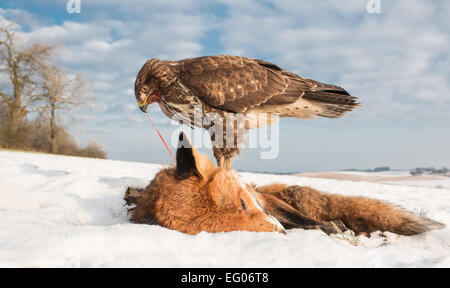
x=22, y=66
x=61, y=92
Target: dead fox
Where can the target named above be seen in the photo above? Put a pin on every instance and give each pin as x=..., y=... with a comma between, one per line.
x=197, y=196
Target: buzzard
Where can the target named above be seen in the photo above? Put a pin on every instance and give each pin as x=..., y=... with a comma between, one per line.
x=224, y=84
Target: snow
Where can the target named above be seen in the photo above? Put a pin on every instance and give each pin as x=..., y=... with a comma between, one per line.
x=442, y=182
x=391, y=173
x=60, y=211
x=439, y=181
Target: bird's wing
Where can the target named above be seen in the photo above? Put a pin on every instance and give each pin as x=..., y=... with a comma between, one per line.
x=236, y=83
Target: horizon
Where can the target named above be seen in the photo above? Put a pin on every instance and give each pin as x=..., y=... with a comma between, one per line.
x=396, y=62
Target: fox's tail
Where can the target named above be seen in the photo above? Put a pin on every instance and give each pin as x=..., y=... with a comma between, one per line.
x=357, y=213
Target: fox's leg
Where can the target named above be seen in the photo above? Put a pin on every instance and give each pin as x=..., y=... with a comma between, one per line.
x=357, y=213
x=291, y=218
x=310, y=202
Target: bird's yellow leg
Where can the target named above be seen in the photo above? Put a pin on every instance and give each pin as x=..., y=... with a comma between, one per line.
x=228, y=163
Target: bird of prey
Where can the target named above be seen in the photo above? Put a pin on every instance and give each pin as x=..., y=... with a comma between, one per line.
x=227, y=84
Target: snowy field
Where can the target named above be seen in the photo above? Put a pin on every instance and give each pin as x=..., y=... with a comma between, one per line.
x=63, y=211
x=404, y=178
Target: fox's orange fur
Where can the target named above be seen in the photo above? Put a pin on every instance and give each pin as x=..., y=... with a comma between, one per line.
x=360, y=214
x=196, y=196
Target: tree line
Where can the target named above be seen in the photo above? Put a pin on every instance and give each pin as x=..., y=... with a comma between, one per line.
x=34, y=93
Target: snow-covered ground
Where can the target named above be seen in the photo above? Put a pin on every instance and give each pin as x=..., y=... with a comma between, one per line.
x=404, y=178
x=69, y=212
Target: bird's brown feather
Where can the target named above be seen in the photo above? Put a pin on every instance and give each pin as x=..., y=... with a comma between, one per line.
x=237, y=84
x=233, y=83
x=223, y=84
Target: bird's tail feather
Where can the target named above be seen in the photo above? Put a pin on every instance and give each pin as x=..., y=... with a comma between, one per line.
x=333, y=101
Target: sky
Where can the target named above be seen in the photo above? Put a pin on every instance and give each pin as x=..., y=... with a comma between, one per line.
x=396, y=61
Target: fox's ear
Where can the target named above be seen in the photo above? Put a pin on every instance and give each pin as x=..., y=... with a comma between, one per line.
x=190, y=162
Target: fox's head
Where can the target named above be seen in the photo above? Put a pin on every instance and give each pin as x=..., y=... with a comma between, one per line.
x=197, y=196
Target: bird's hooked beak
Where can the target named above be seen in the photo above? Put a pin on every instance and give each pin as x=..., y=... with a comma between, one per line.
x=148, y=99
x=143, y=108
x=143, y=105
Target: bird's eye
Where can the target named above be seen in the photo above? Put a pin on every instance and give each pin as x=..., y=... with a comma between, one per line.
x=244, y=207
x=144, y=89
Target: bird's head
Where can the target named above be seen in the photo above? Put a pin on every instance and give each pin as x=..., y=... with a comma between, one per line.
x=146, y=87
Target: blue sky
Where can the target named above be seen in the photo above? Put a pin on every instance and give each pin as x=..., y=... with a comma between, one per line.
x=397, y=62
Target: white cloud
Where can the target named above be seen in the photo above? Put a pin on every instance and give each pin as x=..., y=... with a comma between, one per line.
x=390, y=60
x=397, y=62
x=109, y=51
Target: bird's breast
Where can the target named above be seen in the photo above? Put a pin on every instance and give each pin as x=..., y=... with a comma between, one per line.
x=182, y=107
